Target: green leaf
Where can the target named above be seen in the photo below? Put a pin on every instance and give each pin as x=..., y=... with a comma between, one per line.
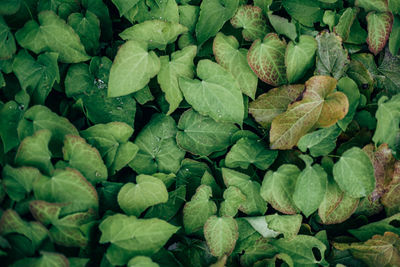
x=221, y=234
x=166, y=10
x=9, y=7
x=354, y=173
x=158, y=151
x=7, y=46
x=267, y=59
x=191, y=174
x=289, y=225
x=389, y=68
x=300, y=248
x=142, y=261
x=373, y=5
x=228, y=55
x=310, y=187
x=136, y=198
x=379, y=28
x=394, y=6
x=36, y=77
x=132, y=55
x=307, y=12
x=254, y=204
x=269, y=105
x=213, y=15
x=233, y=198
x=33, y=151
x=343, y=28
x=10, y=115
x=278, y=188
x=155, y=33
x=388, y=224
x=282, y=26
x=332, y=58
x=180, y=65
x=52, y=34
x=84, y=158
x=124, y=6
x=320, y=142
x=248, y=151
x=67, y=186
x=198, y=210
x=201, y=135
x=46, y=259
x=188, y=16
x=380, y=249
x=18, y=182
x=320, y=106
x=350, y=89
x=261, y=226
x=299, y=58
x=88, y=28
x=394, y=39
x=139, y=236
x=166, y=211
x=252, y=20
x=218, y=95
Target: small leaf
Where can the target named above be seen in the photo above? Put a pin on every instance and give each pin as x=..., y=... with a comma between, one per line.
x=388, y=224
x=46, y=259
x=233, y=198
x=142, y=261
x=136, y=198
x=18, y=182
x=350, y=89
x=267, y=59
x=166, y=211
x=289, y=225
x=307, y=12
x=10, y=115
x=252, y=20
x=282, y=26
x=221, y=234
x=373, y=5
x=320, y=142
x=354, y=173
x=379, y=28
x=7, y=47
x=261, y=226
x=345, y=22
x=390, y=199
x=132, y=69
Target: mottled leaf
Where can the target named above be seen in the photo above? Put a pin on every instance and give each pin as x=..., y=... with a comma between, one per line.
x=252, y=20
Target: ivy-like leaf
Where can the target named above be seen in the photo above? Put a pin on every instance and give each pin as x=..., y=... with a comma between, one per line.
x=267, y=59
x=373, y=5
x=379, y=28
x=306, y=12
x=345, y=22
x=221, y=234
x=7, y=46
x=282, y=26
x=18, y=182
x=252, y=20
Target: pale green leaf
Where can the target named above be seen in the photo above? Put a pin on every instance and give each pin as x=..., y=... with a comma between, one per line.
x=320, y=142
x=379, y=28
x=252, y=20
x=282, y=26
x=221, y=234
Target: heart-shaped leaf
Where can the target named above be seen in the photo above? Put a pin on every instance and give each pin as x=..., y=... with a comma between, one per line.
x=379, y=28
x=221, y=234
x=252, y=20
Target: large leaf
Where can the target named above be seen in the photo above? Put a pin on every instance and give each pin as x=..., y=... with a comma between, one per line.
x=148, y=191
x=180, y=65
x=278, y=188
x=299, y=57
x=158, y=151
x=379, y=28
x=52, y=34
x=155, y=33
x=267, y=59
x=228, y=55
x=213, y=15
x=252, y=20
x=320, y=106
x=132, y=69
x=221, y=234
x=201, y=135
x=218, y=95
x=269, y=105
x=354, y=173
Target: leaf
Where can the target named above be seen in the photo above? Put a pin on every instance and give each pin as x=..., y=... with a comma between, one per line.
x=390, y=198
x=213, y=15
x=389, y=68
x=33, y=151
x=67, y=186
x=388, y=117
x=373, y=5
x=147, y=10
x=380, y=249
x=155, y=33
x=332, y=58
x=84, y=158
x=166, y=211
x=394, y=7
x=267, y=59
x=142, y=261
x=198, y=210
x=45, y=260
x=289, y=225
x=7, y=47
x=233, y=198
x=188, y=15
x=388, y=224
x=141, y=236
x=343, y=28
x=252, y=20
x=394, y=38
x=320, y=106
x=254, y=204
x=320, y=142
x=278, y=188
x=379, y=28
x=282, y=26
x=180, y=65
x=201, y=135
x=88, y=28
x=269, y=105
x=52, y=34
x=310, y=187
x=221, y=234
x=299, y=58
x=124, y=7
x=10, y=115
x=158, y=151
x=261, y=226
x=354, y=173
x=248, y=151
x=132, y=69
x=218, y=95
x=306, y=12
x=300, y=248
x=18, y=182
x=350, y=89
x=229, y=56
x=136, y=198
